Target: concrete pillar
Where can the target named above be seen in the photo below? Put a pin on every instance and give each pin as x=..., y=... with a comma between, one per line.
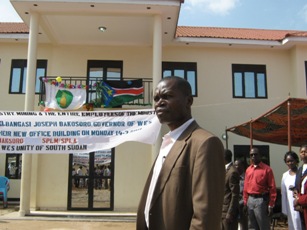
x=157, y=50
x=25, y=191
x=157, y=68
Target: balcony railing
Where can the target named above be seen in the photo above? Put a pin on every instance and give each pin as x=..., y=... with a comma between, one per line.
x=92, y=95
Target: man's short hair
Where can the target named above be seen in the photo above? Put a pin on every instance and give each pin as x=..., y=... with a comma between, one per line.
x=228, y=155
x=182, y=84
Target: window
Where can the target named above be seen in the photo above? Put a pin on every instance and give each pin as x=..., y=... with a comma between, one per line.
x=249, y=81
x=19, y=72
x=105, y=70
x=13, y=166
x=98, y=70
x=186, y=70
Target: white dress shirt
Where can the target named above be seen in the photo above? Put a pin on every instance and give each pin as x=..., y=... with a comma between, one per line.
x=304, y=180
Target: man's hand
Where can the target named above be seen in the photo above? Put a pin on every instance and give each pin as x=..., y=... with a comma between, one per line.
x=270, y=211
x=245, y=210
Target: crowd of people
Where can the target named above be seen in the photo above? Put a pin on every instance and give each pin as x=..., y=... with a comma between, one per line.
x=250, y=194
x=101, y=181
x=193, y=183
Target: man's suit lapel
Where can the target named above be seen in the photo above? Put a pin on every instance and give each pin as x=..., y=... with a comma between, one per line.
x=171, y=159
x=298, y=178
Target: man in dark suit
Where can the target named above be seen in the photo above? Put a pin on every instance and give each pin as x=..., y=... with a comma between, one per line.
x=185, y=186
x=242, y=218
x=231, y=197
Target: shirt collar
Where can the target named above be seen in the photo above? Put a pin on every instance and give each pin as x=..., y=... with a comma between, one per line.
x=177, y=132
x=226, y=166
x=260, y=165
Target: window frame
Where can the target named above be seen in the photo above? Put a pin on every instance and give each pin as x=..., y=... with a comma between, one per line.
x=186, y=67
x=245, y=70
x=21, y=64
x=18, y=164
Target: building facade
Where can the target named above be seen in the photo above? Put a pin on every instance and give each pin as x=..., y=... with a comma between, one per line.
x=235, y=74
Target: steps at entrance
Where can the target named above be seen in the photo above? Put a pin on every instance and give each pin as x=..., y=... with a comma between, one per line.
x=86, y=215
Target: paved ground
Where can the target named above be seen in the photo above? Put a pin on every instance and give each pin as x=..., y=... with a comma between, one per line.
x=10, y=220
x=62, y=225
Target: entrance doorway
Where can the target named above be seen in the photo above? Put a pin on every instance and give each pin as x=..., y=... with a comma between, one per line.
x=91, y=177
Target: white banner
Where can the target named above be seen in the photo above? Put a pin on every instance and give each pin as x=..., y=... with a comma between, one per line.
x=64, y=98
x=75, y=132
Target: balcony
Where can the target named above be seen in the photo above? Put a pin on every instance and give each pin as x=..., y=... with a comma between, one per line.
x=93, y=98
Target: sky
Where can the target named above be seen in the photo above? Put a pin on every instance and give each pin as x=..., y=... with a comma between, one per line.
x=256, y=14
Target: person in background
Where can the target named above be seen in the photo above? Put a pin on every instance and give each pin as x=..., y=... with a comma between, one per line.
x=185, y=186
x=259, y=192
x=300, y=193
x=107, y=173
x=73, y=173
x=231, y=196
x=287, y=185
x=79, y=173
x=242, y=218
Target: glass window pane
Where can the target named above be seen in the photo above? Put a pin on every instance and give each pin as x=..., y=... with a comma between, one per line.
x=261, y=85
x=238, y=86
x=113, y=73
x=167, y=73
x=79, y=196
x=179, y=73
x=102, y=182
x=13, y=166
x=24, y=80
x=16, y=80
x=249, y=84
x=191, y=78
x=40, y=72
x=19, y=158
x=96, y=72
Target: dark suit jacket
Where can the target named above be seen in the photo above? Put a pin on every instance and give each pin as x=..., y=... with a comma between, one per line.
x=190, y=188
x=298, y=178
x=232, y=192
